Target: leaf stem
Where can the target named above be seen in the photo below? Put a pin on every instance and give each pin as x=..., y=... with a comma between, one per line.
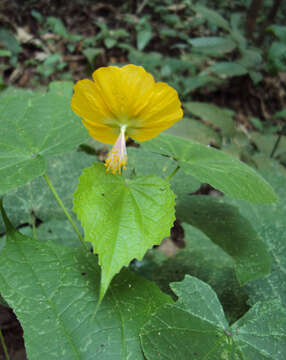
x=173, y=173
x=53, y=190
x=7, y=357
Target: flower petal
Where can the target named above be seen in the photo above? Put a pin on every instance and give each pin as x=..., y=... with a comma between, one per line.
x=163, y=111
x=126, y=90
x=87, y=103
x=128, y=97
x=102, y=133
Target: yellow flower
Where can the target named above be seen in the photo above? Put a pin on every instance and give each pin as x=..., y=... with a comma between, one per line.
x=124, y=102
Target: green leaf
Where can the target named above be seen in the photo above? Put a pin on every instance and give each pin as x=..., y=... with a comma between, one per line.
x=212, y=16
x=226, y=227
x=237, y=36
x=54, y=292
x=38, y=16
x=265, y=142
x=200, y=258
x=255, y=76
x=61, y=88
x=277, y=57
x=213, y=45
x=91, y=54
x=51, y=64
x=192, y=83
x=58, y=231
x=144, y=162
x=279, y=31
x=144, y=36
x=195, y=130
x=36, y=198
x=34, y=126
x=13, y=91
x=5, y=53
x=195, y=328
x=269, y=222
x=110, y=42
x=251, y=58
x=281, y=113
x=226, y=69
x=8, y=39
x=262, y=331
x=221, y=118
x=256, y=122
x=57, y=26
x=122, y=218
x=214, y=167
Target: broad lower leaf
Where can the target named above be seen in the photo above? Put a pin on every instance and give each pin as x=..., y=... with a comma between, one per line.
x=214, y=167
x=229, y=229
x=32, y=127
x=195, y=328
x=54, y=292
x=122, y=218
x=200, y=258
x=220, y=118
x=269, y=222
x=261, y=332
x=36, y=198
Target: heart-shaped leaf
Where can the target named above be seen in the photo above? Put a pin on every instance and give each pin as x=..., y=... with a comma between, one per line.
x=122, y=218
x=195, y=328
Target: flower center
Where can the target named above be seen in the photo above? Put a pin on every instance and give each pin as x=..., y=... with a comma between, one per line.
x=117, y=157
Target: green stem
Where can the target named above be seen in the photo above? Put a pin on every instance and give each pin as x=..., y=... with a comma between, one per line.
x=283, y=131
x=173, y=173
x=275, y=145
x=7, y=357
x=53, y=190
